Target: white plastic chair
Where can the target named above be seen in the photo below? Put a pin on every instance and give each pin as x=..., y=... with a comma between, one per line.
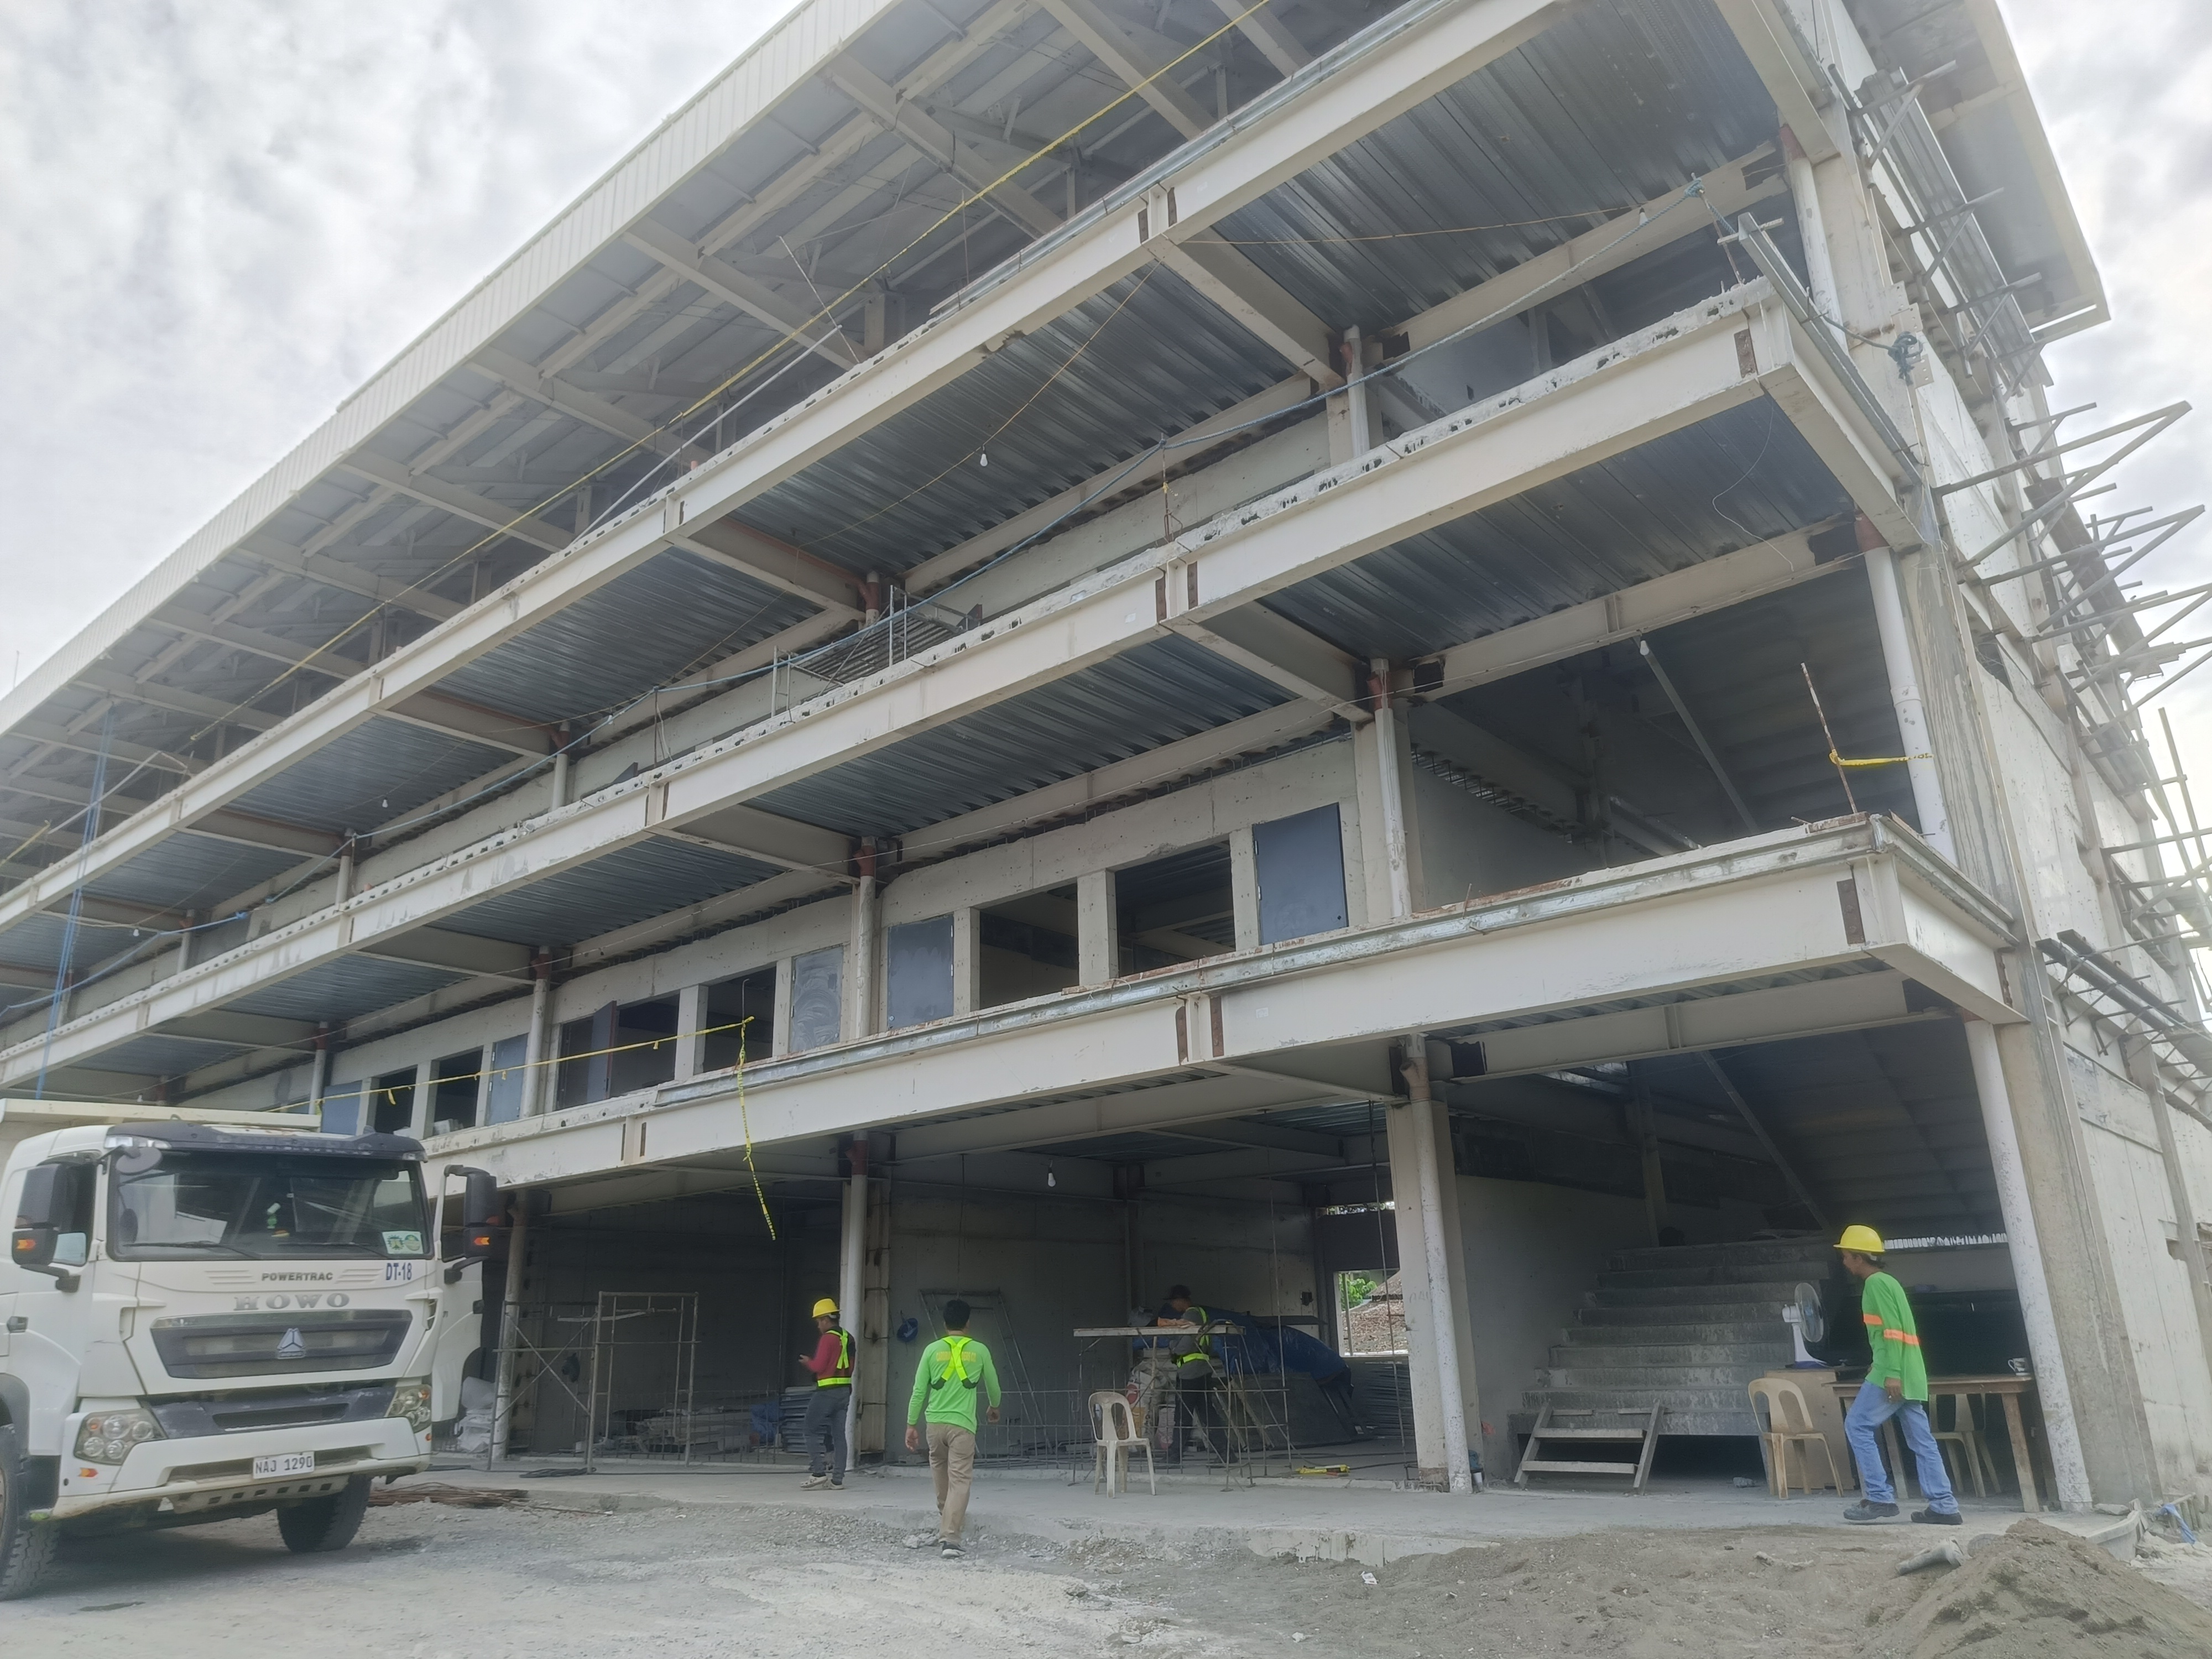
x=1118, y=1437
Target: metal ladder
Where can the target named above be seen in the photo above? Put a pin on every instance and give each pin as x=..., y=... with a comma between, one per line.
x=1645, y=1432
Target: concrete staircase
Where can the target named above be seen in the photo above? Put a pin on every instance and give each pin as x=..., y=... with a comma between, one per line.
x=1686, y=1327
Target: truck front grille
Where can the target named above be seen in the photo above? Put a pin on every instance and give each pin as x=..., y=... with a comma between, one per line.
x=273, y=1344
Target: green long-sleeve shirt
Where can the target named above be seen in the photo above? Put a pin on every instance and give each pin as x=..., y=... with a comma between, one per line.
x=947, y=1384
x=1891, y=1335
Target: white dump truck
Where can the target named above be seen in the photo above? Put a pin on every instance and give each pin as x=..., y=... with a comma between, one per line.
x=204, y=1320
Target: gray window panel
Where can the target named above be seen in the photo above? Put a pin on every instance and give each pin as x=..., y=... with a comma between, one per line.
x=816, y=998
x=508, y=1079
x=918, y=957
x=341, y=1110
x=1300, y=864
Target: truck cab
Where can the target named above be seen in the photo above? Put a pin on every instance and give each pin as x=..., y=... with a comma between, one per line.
x=203, y=1321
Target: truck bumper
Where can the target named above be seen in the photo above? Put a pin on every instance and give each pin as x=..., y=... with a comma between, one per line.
x=216, y=1472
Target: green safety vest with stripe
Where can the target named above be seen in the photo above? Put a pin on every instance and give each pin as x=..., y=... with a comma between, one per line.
x=842, y=1376
x=1202, y=1345
x=956, y=1364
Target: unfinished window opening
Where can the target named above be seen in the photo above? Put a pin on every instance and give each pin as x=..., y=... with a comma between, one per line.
x=1179, y=908
x=341, y=1110
x=818, y=1004
x=454, y=1082
x=1299, y=862
x=1028, y=947
x=391, y=1102
x=645, y=1045
x=917, y=972
x=1370, y=1311
x=585, y=1073
x=739, y=1018
x=504, y=1089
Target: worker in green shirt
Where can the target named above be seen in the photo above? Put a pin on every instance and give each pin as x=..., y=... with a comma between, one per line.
x=953, y=1370
x=1896, y=1386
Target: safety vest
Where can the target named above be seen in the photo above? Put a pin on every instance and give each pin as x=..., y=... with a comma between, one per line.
x=1202, y=1348
x=956, y=1364
x=841, y=1377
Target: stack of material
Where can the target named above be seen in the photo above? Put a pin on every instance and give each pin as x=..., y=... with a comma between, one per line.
x=1383, y=1393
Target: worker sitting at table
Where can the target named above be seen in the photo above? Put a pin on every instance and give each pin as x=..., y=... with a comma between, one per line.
x=1200, y=1388
x=1896, y=1386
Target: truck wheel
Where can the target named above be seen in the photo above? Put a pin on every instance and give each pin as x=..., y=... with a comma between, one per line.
x=324, y=1523
x=25, y=1545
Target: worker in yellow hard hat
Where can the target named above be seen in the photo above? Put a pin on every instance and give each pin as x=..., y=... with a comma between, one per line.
x=1896, y=1386
x=828, y=1452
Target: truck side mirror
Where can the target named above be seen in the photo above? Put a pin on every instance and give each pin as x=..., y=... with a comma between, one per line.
x=37, y=1229
x=483, y=1219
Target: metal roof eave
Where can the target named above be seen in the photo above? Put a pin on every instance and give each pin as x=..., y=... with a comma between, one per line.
x=784, y=60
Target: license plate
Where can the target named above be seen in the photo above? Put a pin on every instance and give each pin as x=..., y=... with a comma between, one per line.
x=284, y=1463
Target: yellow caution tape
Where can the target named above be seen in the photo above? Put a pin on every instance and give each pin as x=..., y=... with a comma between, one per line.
x=1834, y=759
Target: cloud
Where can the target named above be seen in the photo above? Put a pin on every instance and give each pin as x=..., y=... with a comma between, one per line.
x=219, y=217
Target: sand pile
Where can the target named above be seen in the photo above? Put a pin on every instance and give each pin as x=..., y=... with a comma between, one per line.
x=2035, y=1591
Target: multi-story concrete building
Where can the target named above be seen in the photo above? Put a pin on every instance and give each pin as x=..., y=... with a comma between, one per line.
x=1056, y=645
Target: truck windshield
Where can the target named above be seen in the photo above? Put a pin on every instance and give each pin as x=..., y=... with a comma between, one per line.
x=184, y=1205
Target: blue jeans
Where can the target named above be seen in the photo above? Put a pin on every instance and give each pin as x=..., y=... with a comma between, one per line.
x=1872, y=1408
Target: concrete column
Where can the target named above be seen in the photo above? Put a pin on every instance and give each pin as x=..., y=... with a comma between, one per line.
x=558, y=797
x=2144, y=1068
x=1905, y=692
x=1351, y=425
x=345, y=873
x=967, y=959
x=318, y=1077
x=537, y=1048
x=483, y=1088
x=1644, y=1126
x=871, y=1388
x=419, y=1119
x=1428, y=1236
x=853, y=1237
x=691, y=1019
x=1244, y=888
x=1804, y=191
x=859, y=999
x=1097, y=928
x=779, y=1037
x=2060, y=1431
x=1384, y=837
x=510, y=1348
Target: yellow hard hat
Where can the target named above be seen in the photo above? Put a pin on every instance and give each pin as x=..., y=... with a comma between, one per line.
x=1864, y=1240
x=826, y=1306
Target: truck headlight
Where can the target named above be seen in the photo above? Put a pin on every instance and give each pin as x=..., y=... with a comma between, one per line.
x=410, y=1399
x=108, y=1437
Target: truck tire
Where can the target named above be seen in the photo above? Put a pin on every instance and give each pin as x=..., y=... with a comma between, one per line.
x=25, y=1545
x=324, y=1523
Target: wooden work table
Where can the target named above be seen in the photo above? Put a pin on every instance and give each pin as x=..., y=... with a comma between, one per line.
x=2002, y=1385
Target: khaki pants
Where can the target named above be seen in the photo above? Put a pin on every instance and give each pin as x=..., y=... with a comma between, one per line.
x=952, y=1467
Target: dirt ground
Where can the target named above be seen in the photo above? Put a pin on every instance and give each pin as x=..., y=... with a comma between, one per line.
x=425, y=1581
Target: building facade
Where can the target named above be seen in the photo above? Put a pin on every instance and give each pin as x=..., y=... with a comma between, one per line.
x=1057, y=645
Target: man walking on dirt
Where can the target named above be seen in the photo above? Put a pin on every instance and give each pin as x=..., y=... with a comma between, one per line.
x=953, y=1370
x=827, y=1413
x=1896, y=1386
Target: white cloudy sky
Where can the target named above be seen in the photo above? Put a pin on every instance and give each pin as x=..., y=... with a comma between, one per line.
x=218, y=216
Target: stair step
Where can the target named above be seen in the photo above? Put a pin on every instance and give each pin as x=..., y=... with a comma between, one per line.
x=1676, y=1279
x=1763, y=1316
x=1814, y=1251
x=1554, y=1466
x=1674, y=1426
x=1750, y=1293
x=1729, y=1400
x=1634, y=1431
x=1604, y=1349
x=1653, y=1376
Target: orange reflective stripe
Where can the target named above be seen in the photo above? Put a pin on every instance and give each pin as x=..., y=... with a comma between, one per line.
x=1871, y=1319
x=1905, y=1337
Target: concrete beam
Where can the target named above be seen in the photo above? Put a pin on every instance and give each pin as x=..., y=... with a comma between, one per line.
x=1707, y=921
x=764, y=557
x=1781, y=57
x=246, y=1030
x=251, y=830
x=774, y=839
x=451, y=717
x=1713, y=585
x=1139, y=66
x=1259, y=25
x=464, y=953
x=881, y=104
x=1256, y=302
x=1278, y=649
x=756, y=300
x=462, y=503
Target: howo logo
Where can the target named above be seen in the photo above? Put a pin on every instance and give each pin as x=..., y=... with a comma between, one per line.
x=278, y=1303
x=291, y=1347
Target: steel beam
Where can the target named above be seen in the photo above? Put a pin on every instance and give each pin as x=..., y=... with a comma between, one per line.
x=818, y=334
x=462, y=503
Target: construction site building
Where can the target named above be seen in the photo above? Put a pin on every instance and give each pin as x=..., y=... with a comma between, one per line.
x=1051, y=646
